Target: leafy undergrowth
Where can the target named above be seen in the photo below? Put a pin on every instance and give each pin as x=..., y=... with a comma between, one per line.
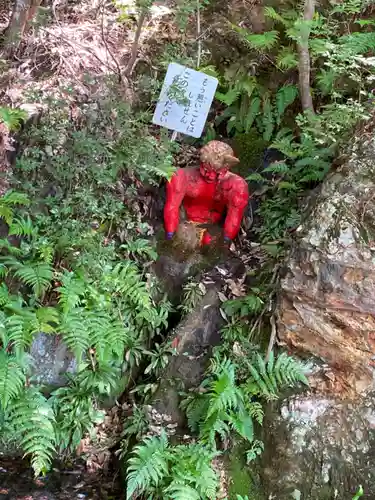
x=72, y=265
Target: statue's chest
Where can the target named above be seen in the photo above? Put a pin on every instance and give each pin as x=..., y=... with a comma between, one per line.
x=205, y=192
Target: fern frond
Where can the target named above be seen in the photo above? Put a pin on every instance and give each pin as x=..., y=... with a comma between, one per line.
x=213, y=425
x=254, y=110
x=71, y=290
x=12, y=379
x=325, y=80
x=242, y=423
x=6, y=213
x=12, y=198
x=18, y=333
x=178, y=491
x=285, y=96
x=74, y=331
x=33, y=419
x=268, y=379
x=271, y=13
x=287, y=59
x=256, y=412
x=4, y=294
x=229, y=97
x=21, y=227
x=140, y=247
x=263, y=41
x=223, y=392
x=148, y=465
x=277, y=168
x=195, y=408
x=358, y=43
x=37, y=275
x=267, y=118
x=105, y=379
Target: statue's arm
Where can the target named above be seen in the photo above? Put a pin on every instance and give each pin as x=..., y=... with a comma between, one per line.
x=176, y=189
x=235, y=209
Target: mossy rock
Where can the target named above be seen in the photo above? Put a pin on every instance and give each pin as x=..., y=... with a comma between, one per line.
x=249, y=149
x=243, y=480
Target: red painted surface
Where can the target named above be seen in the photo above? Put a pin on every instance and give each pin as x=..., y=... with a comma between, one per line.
x=205, y=194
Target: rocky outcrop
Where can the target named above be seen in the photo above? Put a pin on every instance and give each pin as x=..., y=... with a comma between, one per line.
x=319, y=448
x=193, y=339
x=327, y=300
x=52, y=361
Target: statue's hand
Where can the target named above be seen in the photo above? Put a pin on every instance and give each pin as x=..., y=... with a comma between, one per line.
x=169, y=236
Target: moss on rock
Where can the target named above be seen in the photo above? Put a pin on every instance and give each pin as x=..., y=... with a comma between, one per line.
x=249, y=149
x=243, y=481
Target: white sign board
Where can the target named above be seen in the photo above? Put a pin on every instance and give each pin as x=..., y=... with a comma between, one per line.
x=185, y=100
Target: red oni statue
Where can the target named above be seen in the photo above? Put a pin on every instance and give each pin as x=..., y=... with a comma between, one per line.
x=207, y=192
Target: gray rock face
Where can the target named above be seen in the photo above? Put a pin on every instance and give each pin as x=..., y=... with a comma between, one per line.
x=52, y=360
x=327, y=299
x=194, y=339
x=320, y=448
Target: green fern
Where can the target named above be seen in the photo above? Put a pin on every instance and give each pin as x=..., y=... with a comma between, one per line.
x=76, y=414
x=7, y=203
x=229, y=97
x=71, y=291
x=271, y=13
x=177, y=491
x=285, y=96
x=21, y=226
x=147, y=466
x=268, y=122
x=74, y=332
x=33, y=421
x=267, y=379
x=104, y=379
x=175, y=472
x=37, y=275
x=262, y=42
x=287, y=59
x=13, y=198
x=358, y=43
x=12, y=379
x=220, y=407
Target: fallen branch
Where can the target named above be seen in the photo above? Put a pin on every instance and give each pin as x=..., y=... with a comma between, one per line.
x=304, y=57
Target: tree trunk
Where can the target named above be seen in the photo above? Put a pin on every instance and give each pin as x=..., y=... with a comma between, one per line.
x=23, y=12
x=304, y=59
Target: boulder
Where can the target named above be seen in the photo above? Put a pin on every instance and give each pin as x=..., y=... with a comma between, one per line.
x=194, y=337
x=319, y=448
x=327, y=300
x=51, y=361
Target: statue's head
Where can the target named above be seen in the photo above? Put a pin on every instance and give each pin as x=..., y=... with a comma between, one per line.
x=216, y=159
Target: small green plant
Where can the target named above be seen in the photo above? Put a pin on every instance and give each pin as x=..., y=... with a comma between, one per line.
x=159, y=470
x=222, y=405
x=359, y=493
x=192, y=294
x=12, y=117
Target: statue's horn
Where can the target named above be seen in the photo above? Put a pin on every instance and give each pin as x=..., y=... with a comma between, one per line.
x=231, y=161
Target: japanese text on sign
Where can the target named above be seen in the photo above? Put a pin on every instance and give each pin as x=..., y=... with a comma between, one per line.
x=185, y=100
